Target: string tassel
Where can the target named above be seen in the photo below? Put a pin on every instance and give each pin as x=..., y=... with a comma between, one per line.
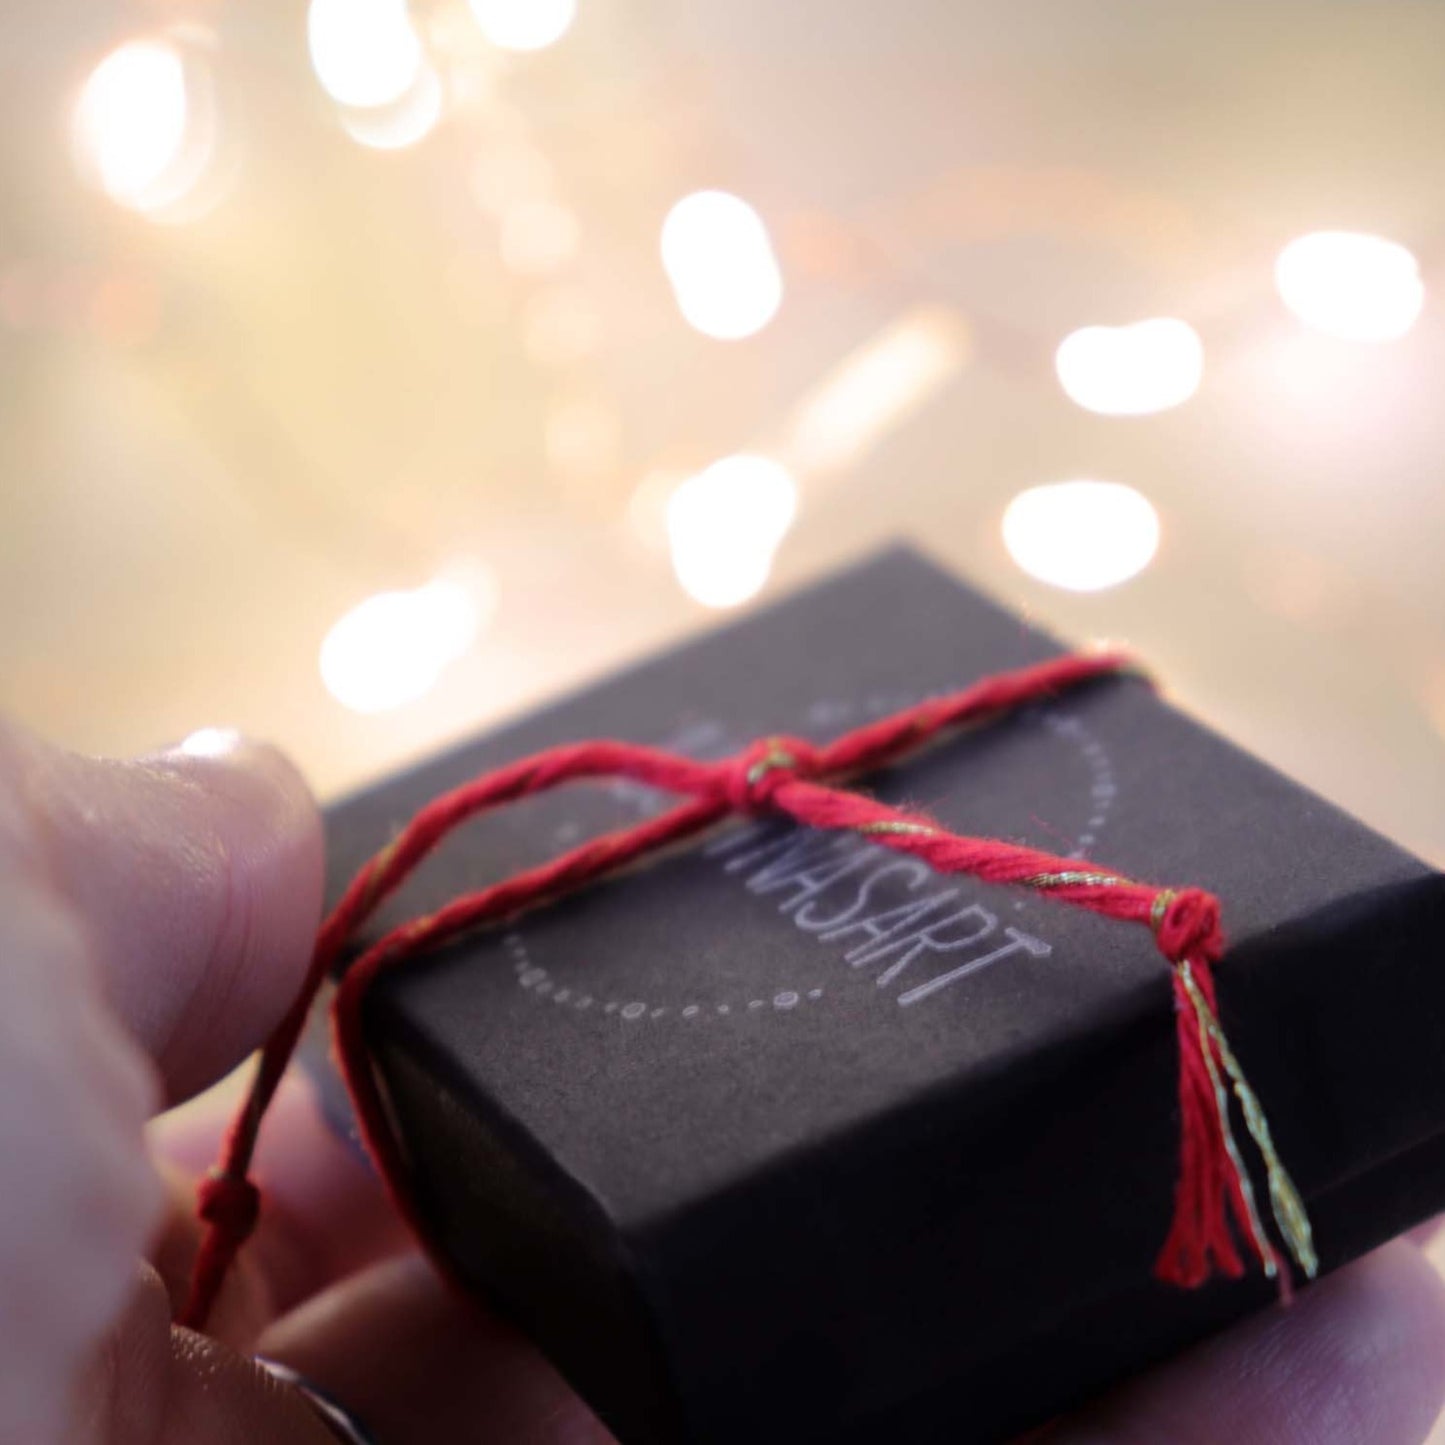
x=1215, y=1195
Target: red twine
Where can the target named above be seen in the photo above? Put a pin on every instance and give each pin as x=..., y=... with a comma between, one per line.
x=1214, y=1202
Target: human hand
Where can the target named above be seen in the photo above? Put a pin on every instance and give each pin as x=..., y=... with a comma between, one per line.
x=1357, y=1359
x=155, y=920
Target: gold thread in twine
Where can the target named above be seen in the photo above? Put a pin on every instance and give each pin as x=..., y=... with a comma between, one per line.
x=1162, y=899
x=1285, y=1202
x=920, y=830
x=419, y=927
x=1221, y=1105
x=776, y=757
x=376, y=869
x=1074, y=879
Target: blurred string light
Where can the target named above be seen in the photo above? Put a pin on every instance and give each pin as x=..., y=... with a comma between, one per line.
x=118, y=306
x=724, y=526
x=561, y=326
x=402, y=123
x=1081, y=535
x=876, y=388
x=583, y=437
x=1321, y=392
x=538, y=237
x=392, y=649
x=511, y=170
x=1350, y=285
x=365, y=52
x=144, y=125
x=647, y=506
x=719, y=258
x=1131, y=370
x=124, y=310
x=524, y=24
x=132, y=116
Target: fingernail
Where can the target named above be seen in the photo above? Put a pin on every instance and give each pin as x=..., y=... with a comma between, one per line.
x=210, y=743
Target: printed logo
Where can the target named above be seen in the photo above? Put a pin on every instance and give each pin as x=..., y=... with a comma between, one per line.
x=875, y=918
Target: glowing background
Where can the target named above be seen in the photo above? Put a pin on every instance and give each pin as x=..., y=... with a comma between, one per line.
x=369, y=373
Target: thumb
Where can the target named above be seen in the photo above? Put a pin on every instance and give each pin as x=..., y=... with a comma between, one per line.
x=160, y=1384
x=197, y=875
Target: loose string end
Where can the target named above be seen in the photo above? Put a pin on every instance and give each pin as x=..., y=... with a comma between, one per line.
x=1214, y=1186
x=229, y=1205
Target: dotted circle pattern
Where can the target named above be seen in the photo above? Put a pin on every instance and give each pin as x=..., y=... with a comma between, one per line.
x=540, y=983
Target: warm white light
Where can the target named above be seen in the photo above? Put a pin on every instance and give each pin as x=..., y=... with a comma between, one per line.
x=394, y=127
x=561, y=326
x=1131, y=370
x=510, y=172
x=582, y=437
x=719, y=259
x=538, y=237
x=725, y=524
x=392, y=648
x=524, y=24
x=1081, y=535
x=365, y=52
x=877, y=387
x=1358, y=287
x=132, y=120
x=647, y=507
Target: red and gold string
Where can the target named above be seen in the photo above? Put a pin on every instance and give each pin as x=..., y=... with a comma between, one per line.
x=1215, y=1203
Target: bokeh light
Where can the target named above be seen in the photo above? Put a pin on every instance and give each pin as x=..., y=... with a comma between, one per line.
x=538, y=237
x=391, y=649
x=1081, y=535
x=1324, y=399
x=877, y=387
x=724, y=526
x=404, y=122
x=1354, y=286
x=647, y=506
x=142, y=124
x=524, y=24
x=583, y=437
x=1131, y=370
x=511, y=170
x=365, y=52
x=561, y=326
x=720, y=260
x=124, y=310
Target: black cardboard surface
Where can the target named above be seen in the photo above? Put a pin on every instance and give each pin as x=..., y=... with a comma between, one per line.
x=751, y=1178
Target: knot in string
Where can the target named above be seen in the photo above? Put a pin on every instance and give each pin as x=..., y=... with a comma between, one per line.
x=749, y=780
x=231, y=1203
x=1187, y=925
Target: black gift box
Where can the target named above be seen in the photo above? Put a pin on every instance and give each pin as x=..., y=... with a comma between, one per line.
x=785, y=1138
